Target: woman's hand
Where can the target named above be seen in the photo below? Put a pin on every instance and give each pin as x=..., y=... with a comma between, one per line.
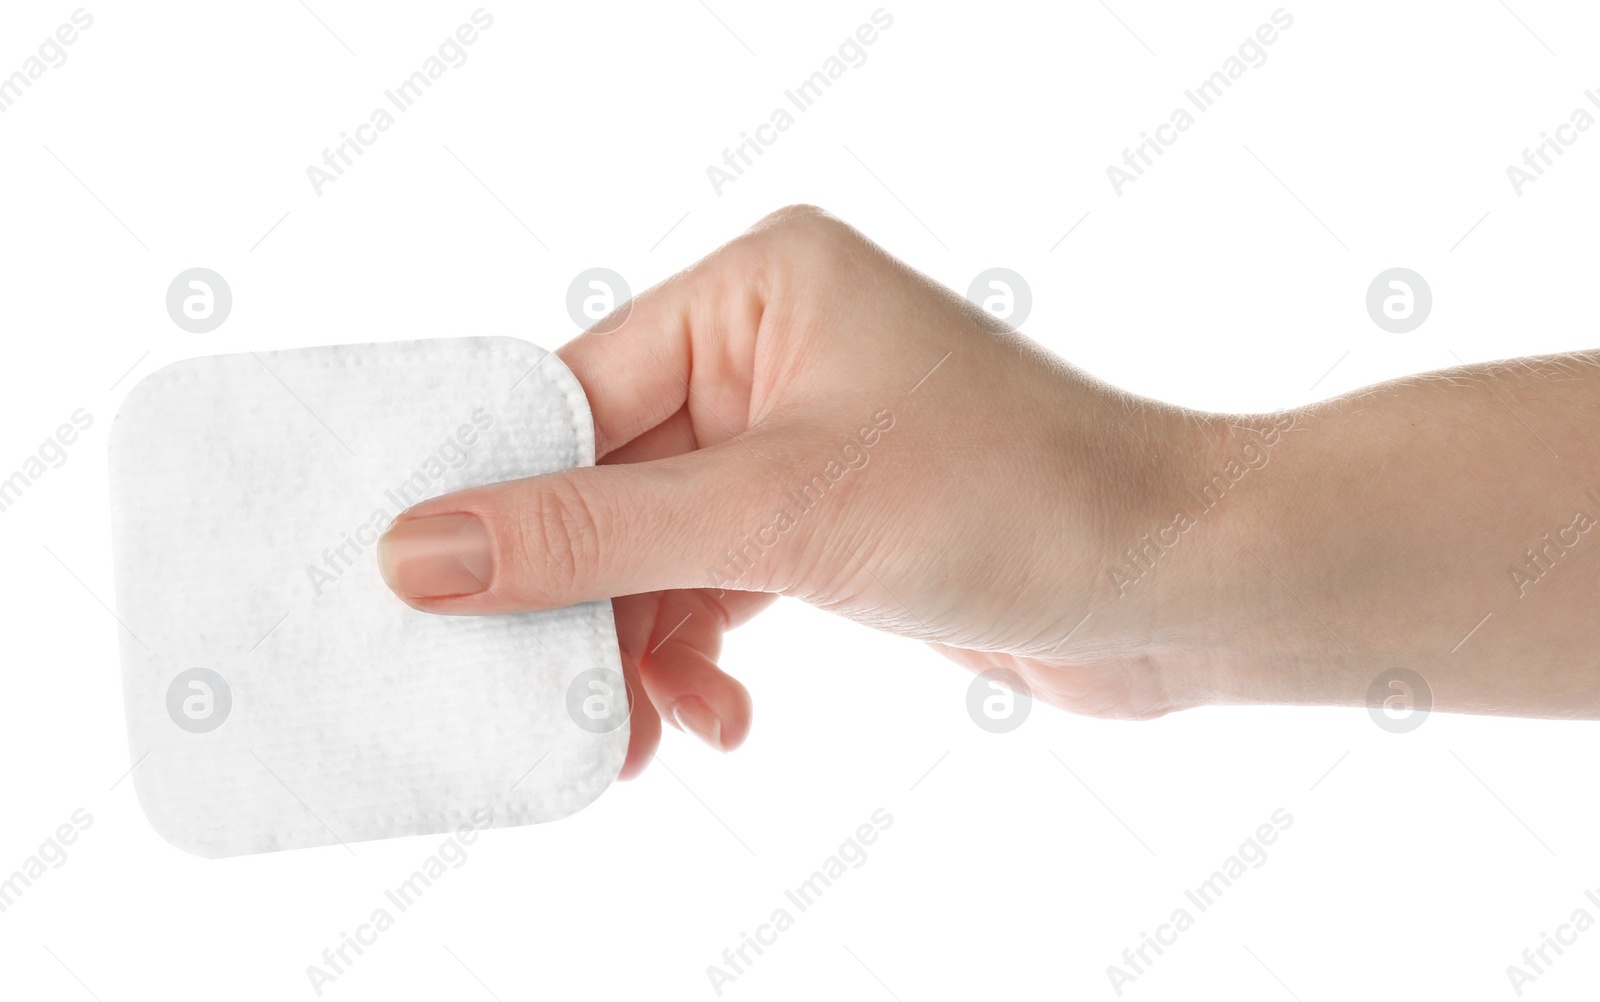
x=801, y=414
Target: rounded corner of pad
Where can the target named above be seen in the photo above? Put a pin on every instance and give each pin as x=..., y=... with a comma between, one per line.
x=162, y=823
x=139, y=395
x=606, y=773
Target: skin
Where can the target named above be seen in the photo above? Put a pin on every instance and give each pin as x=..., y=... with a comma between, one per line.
x=991, y=517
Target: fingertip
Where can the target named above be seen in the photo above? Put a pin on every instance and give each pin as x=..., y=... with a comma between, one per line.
x=694, y=715
x=714, y=706
x=736, y=728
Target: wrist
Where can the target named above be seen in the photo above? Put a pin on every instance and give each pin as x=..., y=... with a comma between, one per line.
x=1197, y=585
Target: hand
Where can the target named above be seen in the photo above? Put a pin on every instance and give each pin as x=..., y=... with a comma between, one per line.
x=801, y=414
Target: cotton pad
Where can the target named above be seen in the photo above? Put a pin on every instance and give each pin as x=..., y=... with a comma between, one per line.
x=278, y=695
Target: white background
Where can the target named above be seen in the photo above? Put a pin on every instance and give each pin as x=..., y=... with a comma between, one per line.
x=976, y=135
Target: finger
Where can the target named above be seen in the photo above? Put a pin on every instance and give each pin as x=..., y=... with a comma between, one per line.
x=636, y=619
x=676, y=677
x=680, y=674
x=672, y=437
x=644, y=723
x=578, y=535
x=688, y=342
x=645, y=623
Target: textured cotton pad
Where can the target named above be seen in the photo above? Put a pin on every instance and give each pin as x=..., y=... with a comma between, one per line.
x=278, y=694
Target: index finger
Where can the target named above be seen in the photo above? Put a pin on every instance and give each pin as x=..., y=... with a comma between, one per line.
x=685, y=344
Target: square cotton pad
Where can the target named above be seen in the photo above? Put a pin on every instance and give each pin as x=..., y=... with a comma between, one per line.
x=278, y=695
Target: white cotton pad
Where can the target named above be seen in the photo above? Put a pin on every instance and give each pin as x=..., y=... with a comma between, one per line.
x=278, y=694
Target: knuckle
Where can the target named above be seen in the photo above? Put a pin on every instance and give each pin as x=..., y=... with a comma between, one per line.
x=806, y=225
x=559, y=540
x=798, y=239
x=799, y=214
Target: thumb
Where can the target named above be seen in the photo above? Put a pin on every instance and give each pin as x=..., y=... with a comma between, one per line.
x=578, y=535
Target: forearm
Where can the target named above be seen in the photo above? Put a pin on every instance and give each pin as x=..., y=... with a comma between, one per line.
x=1449, y=524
